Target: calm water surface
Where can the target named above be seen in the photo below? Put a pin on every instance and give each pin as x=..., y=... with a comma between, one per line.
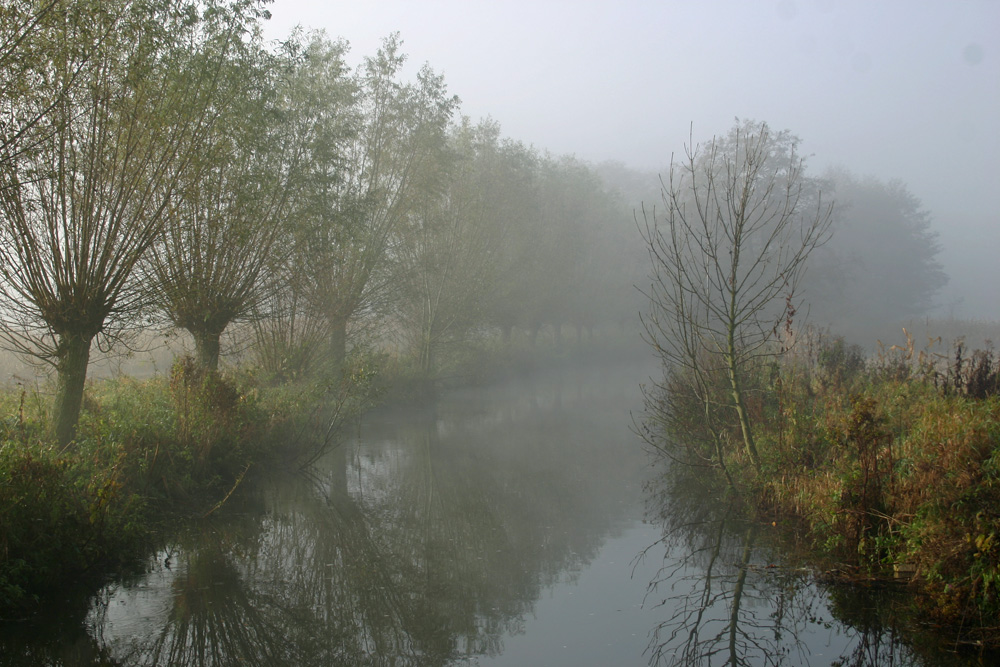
x=510, y=525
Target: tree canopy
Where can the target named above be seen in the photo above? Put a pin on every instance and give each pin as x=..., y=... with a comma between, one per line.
x=160, y=162
x=91, y=170
x=881, y=266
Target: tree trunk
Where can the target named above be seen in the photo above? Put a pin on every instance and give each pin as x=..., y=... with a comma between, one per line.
x=338, y=343
x=739, y=403
x=427, y=356
x=207, y=347
x=74, y=355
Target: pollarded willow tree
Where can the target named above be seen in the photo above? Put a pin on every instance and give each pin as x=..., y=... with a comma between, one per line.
x=230, y=204
x=450, y=258
x=388, y=162
x=728, y=254
x=83, y=200
x=322, y=119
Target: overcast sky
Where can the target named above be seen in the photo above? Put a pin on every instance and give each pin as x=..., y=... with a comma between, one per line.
x=906, y=89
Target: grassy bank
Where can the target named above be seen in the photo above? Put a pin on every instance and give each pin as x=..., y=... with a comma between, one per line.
x=890, y=466
x=146, y=452
x=172, y=448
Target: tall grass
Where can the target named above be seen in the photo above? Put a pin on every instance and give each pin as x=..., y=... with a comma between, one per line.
x=144, y=451
x=890, y=463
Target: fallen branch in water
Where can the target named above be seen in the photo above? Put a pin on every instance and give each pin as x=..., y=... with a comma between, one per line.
x=223, y=501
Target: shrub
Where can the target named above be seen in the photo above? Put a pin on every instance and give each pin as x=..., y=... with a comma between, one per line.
x=906, y=470
x=57, y=522
x=218, y=425
x=839, y=362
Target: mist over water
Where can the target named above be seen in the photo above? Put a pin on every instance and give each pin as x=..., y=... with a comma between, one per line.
x=894, y=91
x=511, y=524
x=425, y=204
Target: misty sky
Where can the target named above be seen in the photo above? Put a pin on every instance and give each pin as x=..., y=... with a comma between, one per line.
x=905, y=90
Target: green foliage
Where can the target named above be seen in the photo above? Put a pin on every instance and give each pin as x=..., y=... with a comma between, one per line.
x=58, y=519
x=144, y=450
x=841, y=362
x=861, y=509
x=217, y=423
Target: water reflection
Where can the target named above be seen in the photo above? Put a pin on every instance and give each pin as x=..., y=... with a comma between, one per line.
x=712, y=588
x=495, y=528
x=726, y=596
x=426, y=541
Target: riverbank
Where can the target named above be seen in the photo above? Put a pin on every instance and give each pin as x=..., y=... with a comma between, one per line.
x=894, y=467
x=146, y=452
x=890, y=469
x=450, y=532
x=171, y=448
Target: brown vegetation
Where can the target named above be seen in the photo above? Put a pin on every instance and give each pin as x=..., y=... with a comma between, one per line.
x=890, y=465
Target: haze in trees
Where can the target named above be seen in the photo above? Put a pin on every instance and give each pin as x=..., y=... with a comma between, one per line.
x=386, y=163
x=738, y=225
x=229, y=205
x=450, y=256
x=323, y=114
x=89, y=188
x=330, y=207
x=880, y=267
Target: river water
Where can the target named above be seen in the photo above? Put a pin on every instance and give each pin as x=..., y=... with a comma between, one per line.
x=517, y=524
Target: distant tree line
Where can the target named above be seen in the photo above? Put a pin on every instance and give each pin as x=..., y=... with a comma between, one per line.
x=880, y=267
x=161, y=163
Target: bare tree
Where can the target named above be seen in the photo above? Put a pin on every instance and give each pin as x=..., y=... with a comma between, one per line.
x=81, y=205
x=727, y=257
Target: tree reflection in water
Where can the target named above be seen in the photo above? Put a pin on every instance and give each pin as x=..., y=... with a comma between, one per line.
x=713, y=589
x=426, y=544
x=727, y=598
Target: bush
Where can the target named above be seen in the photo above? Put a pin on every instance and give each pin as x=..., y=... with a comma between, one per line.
x=176, y=445
x=56, y=522
x=839, y=362
x=904, y=471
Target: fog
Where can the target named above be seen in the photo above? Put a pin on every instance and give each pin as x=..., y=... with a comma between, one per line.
x=470, y=191
x=896, y=90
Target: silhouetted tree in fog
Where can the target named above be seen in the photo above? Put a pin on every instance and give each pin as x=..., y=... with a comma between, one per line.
x=727, y=256
x=451, y=258
x=323, y=116
x=880, y=267
x=388, y=162
x=231, y=201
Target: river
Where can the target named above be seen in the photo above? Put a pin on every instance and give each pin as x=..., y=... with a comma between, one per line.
x=517, y=524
